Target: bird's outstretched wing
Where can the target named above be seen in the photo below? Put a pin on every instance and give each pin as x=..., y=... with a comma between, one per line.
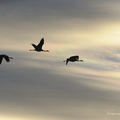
x=1, y=58
x=74, y=57
x=6, y=58
x=67, y=61
x=77, y=57
x=34, y=45
x=41, y=43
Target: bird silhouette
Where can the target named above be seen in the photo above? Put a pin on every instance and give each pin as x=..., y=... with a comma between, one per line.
x=7, y=58
x=38, y=47
x=72, y=59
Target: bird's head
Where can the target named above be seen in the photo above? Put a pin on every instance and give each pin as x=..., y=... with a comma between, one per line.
x=81, y=60
x=11, y=57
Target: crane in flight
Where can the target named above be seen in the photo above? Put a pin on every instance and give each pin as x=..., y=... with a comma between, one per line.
x=38, y=47
x=72, y=59
x=6, y=57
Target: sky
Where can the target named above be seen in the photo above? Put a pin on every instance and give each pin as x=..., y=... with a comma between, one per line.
x=39, y=85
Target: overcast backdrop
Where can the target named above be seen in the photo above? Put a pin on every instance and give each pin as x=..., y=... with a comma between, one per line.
x=39, y=85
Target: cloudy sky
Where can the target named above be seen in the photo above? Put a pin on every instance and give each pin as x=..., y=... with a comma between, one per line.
x=38, y=85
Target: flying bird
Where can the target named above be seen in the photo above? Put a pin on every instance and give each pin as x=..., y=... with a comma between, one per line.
x=38, y=47
x=7, y=58
x=72, y=59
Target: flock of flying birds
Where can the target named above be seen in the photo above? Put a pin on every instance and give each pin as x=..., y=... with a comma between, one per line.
x=38, y=48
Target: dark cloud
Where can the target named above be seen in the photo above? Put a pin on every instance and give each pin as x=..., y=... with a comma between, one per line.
x=40, y=92
x=53, y=91
x=6, y=1
x=43, y=15
x=83, y=9
x=113, y=58
x=102, y=58
x=110, y=55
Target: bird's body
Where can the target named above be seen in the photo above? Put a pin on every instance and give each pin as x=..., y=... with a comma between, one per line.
x=7, y=58
x=38, y=47
x=72, y=59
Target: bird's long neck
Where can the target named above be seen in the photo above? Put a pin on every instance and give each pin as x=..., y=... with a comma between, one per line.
x=11, y=57
x=45, y=50
x=81, y=60
x=32, y=50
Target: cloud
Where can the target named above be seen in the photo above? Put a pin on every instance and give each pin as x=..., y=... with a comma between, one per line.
x=39, y=85
x=4, y=2
x=40, y=92
x=103, y=58
x=58, y=10
x=53, y=90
